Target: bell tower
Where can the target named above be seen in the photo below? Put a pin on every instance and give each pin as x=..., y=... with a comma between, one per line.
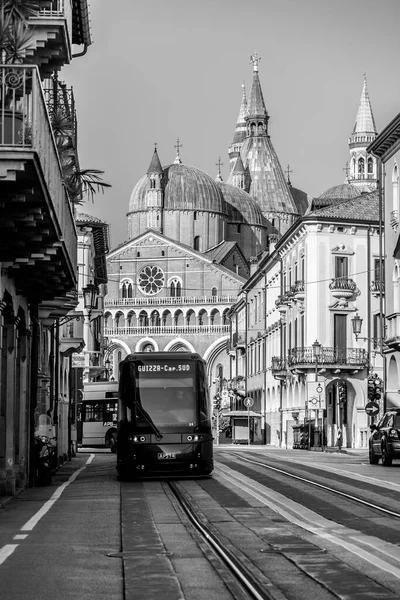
x=155, y=194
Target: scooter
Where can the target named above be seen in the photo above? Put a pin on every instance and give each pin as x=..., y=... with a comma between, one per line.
x=43, y=474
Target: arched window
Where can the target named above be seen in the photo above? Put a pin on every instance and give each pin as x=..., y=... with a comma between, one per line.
x=197, y=243
x=361, y=168
x=214, y=292
x=370, y=167
x=129, y=290
x=124, y=290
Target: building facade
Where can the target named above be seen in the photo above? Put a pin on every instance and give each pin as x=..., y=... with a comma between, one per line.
x=38, y=239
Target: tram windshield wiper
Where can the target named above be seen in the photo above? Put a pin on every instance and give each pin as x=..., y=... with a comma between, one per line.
x=147, y=418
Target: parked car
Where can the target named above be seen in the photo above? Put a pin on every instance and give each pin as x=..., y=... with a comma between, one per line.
x=384, y=442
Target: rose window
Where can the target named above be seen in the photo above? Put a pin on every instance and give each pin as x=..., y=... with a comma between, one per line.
x=151, y=280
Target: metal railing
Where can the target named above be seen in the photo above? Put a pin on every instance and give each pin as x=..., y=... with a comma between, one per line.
x=58, y=9
x=328, y=356
x=278, y=366
x=168, y=330
x=377, y=287
x=25, y=126
x=170, y=300
x=343, y=284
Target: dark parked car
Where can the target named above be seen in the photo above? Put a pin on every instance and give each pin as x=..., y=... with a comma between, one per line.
x=384, y=442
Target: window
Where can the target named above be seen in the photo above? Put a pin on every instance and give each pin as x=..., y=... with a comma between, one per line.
x=361, y=168
x=341, y=266
x=175, y=288
x=377, y=270
x=214, y=291
x=370, y=166
x=197, y=243
x=376, y=334
x=395, y=184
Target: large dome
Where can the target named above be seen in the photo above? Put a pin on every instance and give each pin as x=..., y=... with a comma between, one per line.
x=344, y=191
x=185, y=188
x=241, y=206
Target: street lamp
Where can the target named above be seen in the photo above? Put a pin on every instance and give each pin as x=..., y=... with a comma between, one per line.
x=107, y=365
x=356, y=323
x=316, y=353
x=90, y=294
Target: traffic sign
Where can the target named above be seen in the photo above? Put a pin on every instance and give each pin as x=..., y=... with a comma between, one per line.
x=248, y=401
x=372, y=409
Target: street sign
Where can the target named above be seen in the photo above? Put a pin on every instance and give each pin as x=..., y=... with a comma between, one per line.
x=316, y=395
x=316, y=403
x=248, y=401
x=372, y=409
x=224, y=394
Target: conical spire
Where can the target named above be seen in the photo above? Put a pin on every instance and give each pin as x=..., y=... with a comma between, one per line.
x=155, y=165
x=240, y=131
x=256, y=106
x=365, y=122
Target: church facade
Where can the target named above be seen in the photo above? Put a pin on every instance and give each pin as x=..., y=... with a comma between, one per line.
x=192, y=241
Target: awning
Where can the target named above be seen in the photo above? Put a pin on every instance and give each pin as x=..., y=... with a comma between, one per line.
x=242, y=413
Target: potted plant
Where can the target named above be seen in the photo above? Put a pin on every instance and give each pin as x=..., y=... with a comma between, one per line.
x=15, y=40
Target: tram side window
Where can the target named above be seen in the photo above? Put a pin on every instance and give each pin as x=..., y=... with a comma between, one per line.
x=93, y=411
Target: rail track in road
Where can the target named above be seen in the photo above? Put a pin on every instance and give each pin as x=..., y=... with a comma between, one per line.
x=321, y=486
x=243, y=576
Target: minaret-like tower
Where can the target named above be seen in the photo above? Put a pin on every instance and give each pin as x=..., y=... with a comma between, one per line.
x=362, y=165
x=257, y=169
x=155, y=194
x=240, y=131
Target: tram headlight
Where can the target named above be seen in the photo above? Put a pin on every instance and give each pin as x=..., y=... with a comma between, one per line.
x=138, y=439
x=193, y=438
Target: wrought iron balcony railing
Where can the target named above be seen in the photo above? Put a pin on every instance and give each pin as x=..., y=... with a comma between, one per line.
x=346, y=357
x=279, y=367
x=298, y=290
x=394, y=218
x=377, y=287
x=342, y=287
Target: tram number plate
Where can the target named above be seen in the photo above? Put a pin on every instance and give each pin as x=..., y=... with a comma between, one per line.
x=165, y=456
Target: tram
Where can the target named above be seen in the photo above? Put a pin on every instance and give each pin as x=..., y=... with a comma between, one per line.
x=164, y=416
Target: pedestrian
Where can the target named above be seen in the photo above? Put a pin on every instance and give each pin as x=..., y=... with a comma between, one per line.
x=339, y=439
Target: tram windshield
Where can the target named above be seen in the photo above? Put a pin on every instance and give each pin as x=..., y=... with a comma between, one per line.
x=163, y=394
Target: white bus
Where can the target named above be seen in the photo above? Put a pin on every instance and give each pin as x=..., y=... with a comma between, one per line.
x=99, y=414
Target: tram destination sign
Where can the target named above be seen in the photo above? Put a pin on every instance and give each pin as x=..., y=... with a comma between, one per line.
x=164, y=368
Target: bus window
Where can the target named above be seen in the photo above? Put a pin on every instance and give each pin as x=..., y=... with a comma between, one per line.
x=93, y=411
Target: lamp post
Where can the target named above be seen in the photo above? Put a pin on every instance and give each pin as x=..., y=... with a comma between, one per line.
x=90, y=295
x=356, y=323
x=316, y=354
x=107, y=366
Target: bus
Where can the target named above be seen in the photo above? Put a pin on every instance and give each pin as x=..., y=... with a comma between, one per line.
x=98, y=414
x=164, y=416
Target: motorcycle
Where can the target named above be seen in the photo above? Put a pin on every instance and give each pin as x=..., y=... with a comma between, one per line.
x=43, y=470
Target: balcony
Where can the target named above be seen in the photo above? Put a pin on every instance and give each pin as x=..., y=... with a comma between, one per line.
x=37, y=230
x=342, y=288
x=298, y=290
x=279, y=367
x=330, y=358
x=394, y=218
x=171, y=330
x=282, y=304
x=377, y=288
x=392, y=339
x=170, y=300
x=51, y=44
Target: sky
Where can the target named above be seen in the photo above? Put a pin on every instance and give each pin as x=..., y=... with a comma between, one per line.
x=159, y=70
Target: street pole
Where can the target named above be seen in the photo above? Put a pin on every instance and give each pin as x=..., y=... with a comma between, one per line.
x=248, y=425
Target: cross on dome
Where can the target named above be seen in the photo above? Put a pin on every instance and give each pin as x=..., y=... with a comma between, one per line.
x=178, y=145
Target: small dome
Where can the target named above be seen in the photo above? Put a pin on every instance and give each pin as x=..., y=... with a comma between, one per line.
x=344, y=191
x=242, y=208
x=185, y=188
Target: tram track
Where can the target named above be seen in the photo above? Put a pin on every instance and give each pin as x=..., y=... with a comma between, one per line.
x=246, y=580
x=326, y=488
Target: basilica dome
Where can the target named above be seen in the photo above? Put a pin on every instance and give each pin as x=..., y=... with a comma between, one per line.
x=242, y=208
x=185, y=188
x=344, y=191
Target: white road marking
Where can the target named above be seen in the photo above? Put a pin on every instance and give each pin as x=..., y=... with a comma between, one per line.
x=6, y=551
x=29, y=525
x=20, y=536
